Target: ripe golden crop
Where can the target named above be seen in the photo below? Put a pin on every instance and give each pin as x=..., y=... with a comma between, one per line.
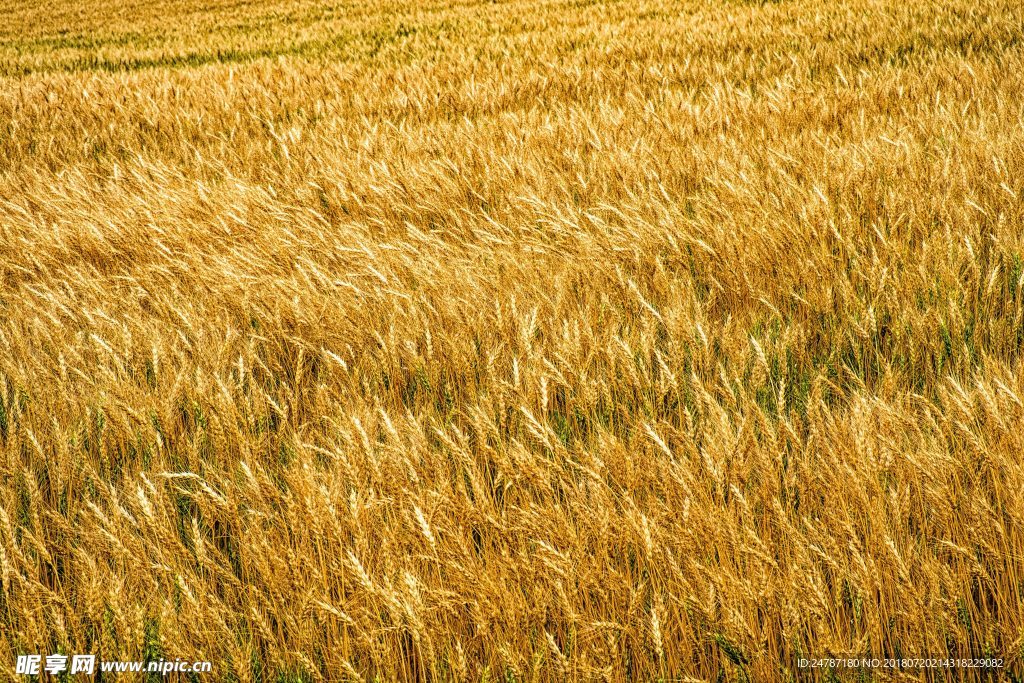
x=527, y=340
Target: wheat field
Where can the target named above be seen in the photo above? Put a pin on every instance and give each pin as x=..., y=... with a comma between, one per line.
x=522, y=340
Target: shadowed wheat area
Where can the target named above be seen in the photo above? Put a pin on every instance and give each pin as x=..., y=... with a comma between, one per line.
x=521, y=340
